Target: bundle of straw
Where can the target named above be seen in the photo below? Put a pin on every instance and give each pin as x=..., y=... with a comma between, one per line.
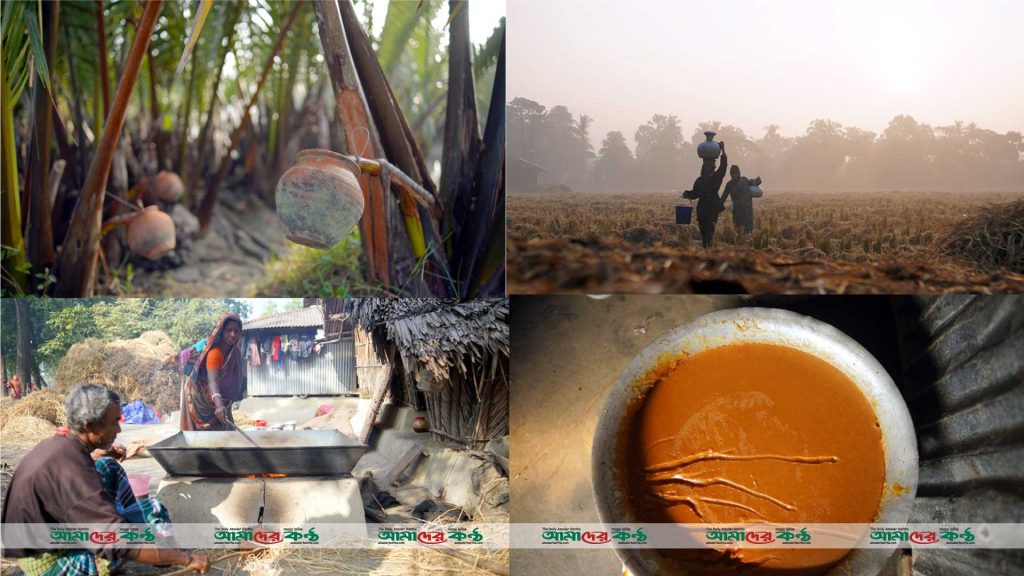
x=45, y=404
x=991, y=239
x=25, y=429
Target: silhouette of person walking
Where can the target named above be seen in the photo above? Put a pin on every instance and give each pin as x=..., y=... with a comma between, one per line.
x=742, y=200
x=705, y=191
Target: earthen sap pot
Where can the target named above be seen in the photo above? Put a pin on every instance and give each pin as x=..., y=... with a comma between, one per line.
x=166, y=186
x=319, y=200
x=419, y=424
x=151, y=234
x=709, y=149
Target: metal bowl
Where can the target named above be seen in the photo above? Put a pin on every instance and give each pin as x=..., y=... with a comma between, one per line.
x=765, y=326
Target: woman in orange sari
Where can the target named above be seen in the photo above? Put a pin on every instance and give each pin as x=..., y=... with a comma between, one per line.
x=215, y=381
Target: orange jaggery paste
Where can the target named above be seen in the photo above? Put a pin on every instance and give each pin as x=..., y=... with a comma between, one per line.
x=755, y=433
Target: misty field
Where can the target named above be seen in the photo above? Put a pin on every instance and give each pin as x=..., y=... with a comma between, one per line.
x=888, y=242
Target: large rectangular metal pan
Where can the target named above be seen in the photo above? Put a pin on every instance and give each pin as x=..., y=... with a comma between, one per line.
x=291, y=452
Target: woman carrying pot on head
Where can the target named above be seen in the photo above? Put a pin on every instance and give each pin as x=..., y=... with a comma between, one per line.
x=216, y=379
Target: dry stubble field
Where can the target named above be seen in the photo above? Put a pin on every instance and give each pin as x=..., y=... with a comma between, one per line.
x=868, y=242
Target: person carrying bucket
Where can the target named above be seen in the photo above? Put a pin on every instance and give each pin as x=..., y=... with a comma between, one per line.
x=705, y=191
x=743, y=190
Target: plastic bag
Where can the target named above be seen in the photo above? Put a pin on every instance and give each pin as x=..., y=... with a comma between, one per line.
x=137, y=412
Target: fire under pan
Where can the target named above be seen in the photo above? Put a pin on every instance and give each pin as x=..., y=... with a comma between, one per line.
x=287, y=452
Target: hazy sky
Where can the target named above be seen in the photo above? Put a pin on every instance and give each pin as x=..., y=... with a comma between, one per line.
x=751, y=63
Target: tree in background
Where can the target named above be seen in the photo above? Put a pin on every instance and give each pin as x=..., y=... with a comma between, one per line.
x=615, y=167
x=57, y=324
x=659, y=152
x=908, y=155
x=25, y=362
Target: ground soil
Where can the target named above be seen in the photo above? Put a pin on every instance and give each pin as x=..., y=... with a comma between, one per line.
x=228, y=261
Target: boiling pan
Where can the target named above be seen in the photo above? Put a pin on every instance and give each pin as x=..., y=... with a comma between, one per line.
x=291, y=452
x=767, y=326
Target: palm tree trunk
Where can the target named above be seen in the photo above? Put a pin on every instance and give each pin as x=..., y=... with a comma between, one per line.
x=156, y=126
x=229, y=32
x=461, y=130
x=487, y=212
x=77, y=264
x=40, y=230
x=76, y=104
x=104, y=79
x=185, y=117
x=24, y=342
x=210, y=200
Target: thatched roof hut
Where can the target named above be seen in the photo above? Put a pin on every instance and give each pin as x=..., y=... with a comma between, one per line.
x=455, y=353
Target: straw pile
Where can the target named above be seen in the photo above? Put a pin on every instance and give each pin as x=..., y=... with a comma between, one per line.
x=142, y=368
x=47, y=405
x=992, y=239
x=26, y=429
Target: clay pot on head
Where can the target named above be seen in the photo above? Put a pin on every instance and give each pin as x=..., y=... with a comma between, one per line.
x=709, y=149
x=151, y=234
x=319, y=200
x=419, y=424
x=166, y=186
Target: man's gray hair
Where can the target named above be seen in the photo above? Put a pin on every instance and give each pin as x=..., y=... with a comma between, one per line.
x=86, y=404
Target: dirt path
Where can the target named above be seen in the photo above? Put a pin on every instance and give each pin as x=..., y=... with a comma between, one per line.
x=228, y=261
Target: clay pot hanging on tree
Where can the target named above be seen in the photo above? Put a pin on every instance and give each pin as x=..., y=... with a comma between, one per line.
x=151, y=233
x=319, y=200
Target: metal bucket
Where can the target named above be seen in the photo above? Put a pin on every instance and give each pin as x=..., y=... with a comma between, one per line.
x=684, y=214
x=767, y=326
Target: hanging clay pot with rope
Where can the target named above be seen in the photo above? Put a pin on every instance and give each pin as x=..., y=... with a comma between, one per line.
x=319, y=200
x=151, y=233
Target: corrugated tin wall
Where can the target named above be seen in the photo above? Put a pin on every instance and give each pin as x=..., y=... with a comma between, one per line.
x=963, y=368
x=331, y=373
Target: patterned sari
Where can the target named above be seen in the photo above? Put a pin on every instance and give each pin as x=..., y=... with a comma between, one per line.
x=197, y=413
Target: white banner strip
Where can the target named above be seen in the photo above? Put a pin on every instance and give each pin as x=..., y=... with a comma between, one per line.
x=521, y=535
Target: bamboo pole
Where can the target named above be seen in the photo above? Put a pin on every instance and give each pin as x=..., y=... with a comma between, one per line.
x=77, y=266
x=210, y=199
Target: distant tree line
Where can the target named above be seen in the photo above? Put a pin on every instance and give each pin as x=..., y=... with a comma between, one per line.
x=548, y=147
x=41, y=331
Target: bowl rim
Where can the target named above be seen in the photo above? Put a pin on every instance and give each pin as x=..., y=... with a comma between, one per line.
x=771, y=326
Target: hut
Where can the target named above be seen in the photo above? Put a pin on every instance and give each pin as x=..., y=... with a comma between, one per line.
x=447, y=357
x=525, y=174
x=296, y=356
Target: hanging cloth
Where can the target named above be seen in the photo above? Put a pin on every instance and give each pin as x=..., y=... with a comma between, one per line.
x=254, y=353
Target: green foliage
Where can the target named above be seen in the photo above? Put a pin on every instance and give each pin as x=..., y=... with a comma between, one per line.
x=309, y=272
x=58, y=324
